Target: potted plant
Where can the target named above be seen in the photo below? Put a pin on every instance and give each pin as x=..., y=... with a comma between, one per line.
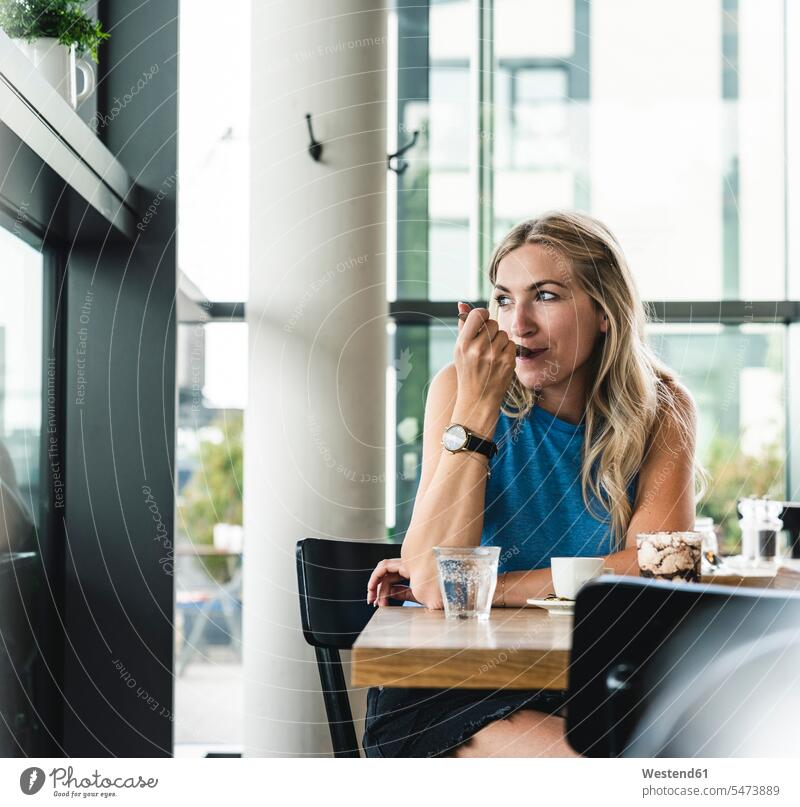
x=55, y=35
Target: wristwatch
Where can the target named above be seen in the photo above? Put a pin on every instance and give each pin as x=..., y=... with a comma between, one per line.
x=459, y=438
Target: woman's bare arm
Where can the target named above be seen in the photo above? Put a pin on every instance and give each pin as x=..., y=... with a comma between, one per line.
x=449, y=506
x=665, y=495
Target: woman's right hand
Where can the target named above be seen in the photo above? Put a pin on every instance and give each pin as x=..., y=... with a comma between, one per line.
x=390, y=579
x=485, y=360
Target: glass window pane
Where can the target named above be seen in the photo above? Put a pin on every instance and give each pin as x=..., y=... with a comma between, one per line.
x=680, y=152
x=212, y=390
x=412, y=375
x=793, y=148
x=736, y=375
x=21, y=302
x=449, y=260
x=550, y=37
x=449, y=137
x=540, y=115
x=449, y=191
x=426, y=348
x=434, y=194
x=684, y=153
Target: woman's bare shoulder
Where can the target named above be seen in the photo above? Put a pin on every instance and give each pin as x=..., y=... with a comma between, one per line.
x=676, y=416
x=676, y=399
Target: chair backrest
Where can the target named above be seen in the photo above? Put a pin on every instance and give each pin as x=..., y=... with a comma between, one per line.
x=737, y=702
x=633, y=638
x=332, y=579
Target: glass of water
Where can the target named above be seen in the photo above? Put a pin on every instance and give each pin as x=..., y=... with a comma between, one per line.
x=467, y=579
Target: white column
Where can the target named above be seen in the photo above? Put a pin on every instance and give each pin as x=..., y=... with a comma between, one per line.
x=314, y=426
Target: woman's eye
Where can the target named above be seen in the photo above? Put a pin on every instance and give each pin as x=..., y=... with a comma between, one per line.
x=504, y=300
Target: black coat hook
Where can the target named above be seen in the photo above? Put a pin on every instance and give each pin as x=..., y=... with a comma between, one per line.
x=314, y=147
x=402, y=164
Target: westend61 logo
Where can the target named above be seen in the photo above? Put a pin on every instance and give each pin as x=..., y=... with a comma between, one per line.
x=32, y=780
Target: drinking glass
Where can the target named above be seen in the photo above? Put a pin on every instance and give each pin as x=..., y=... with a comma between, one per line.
x=467, y=579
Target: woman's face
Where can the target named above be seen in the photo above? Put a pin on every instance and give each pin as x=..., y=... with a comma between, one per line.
x=541, y=308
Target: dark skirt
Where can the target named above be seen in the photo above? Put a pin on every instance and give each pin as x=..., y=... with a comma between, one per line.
x=432, y=722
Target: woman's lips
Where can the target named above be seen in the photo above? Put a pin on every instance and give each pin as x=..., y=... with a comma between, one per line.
x=524, y=354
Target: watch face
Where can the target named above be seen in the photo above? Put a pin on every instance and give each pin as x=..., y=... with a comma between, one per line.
x=455, y=437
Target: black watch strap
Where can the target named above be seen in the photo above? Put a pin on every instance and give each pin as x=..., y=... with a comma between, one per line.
x=486, y=447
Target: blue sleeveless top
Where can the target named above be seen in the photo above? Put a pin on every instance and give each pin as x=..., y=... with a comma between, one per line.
x=534, y=506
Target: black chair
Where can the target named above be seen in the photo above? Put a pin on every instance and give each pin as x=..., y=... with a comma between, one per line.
x=655, y=666
x=332, y=581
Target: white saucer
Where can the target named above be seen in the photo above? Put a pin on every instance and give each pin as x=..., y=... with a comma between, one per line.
x=555, y=607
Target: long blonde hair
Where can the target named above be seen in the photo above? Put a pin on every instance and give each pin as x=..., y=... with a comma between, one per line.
x=629, y=387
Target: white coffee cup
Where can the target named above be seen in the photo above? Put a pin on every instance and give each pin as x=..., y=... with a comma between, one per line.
x=569, y=574
x=59, y=65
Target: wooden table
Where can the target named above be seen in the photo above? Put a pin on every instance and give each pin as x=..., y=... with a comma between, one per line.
x=522, y=648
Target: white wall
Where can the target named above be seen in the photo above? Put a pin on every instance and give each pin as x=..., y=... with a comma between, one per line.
x=314, y=426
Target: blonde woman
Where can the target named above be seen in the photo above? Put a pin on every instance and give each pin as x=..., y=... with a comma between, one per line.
x=594, y=443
